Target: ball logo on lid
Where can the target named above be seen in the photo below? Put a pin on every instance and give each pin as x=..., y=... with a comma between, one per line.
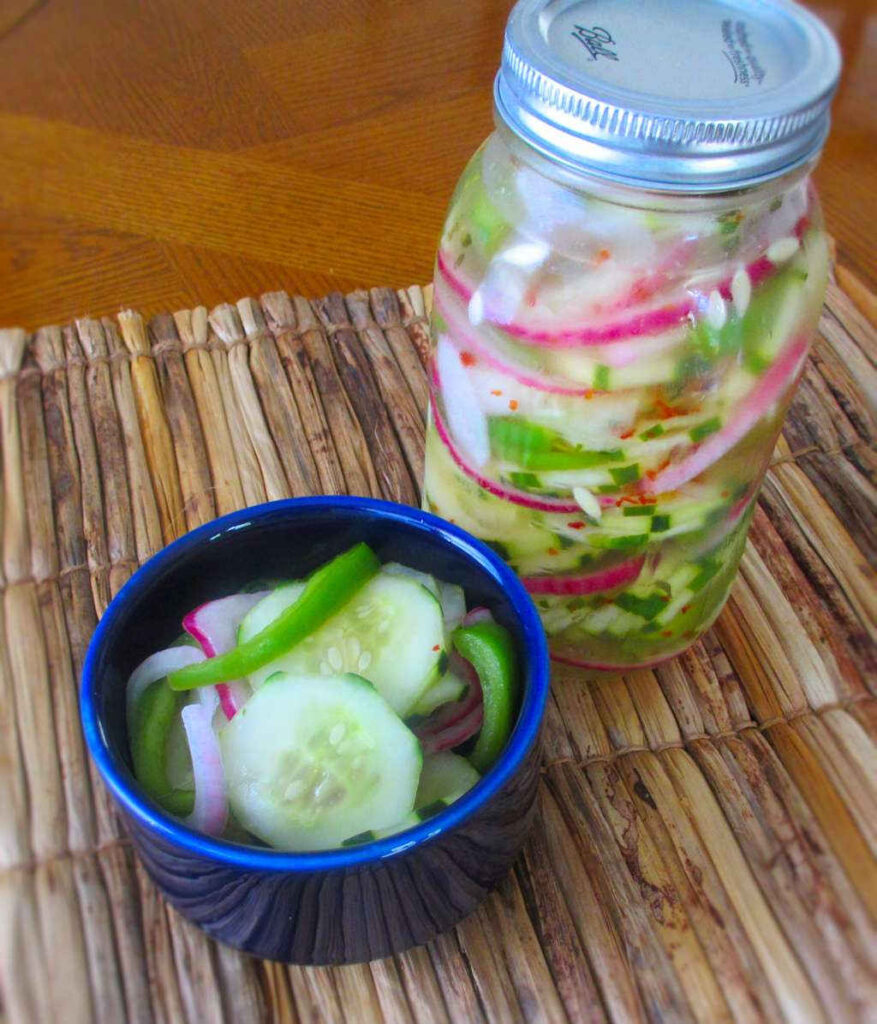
x=596, y=41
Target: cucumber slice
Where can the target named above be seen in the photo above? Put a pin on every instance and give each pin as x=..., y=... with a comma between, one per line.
x=267, y=610
x=613, y=620
x=784, y=302
x=391, y=632
x=624, y=623
x=424, y=579
x=674, y=607
x=447, y=689
x=444, y=776
x=409, y=821
x=310, y=760
x=553, y=560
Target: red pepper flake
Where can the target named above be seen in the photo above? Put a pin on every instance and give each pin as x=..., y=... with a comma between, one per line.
x=513, y=404
x=496, y=392
x=589, y=394
x=602, y=256
x=667, y=412
x=576, y=525
x=651, y=473
x=667, y=632
x=437, y=647
x=642, y=290
x=631, y=499
x=685, y=608
x=467, y=359
x=626, y=434
x=726, y=494
x=665, y=597
x=553, y=551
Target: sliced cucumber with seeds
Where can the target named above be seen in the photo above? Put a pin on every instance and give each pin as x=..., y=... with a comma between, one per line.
x=444, y=775
x=391, y=632
x=309, y=760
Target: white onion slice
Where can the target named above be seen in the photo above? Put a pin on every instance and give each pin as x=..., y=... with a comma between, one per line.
x=210, y=812
x=156, y=667
x=466, y=419
x=215, y=625
x=453, y=602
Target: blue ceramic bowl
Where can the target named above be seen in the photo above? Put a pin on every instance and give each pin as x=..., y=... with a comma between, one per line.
x=338, y=906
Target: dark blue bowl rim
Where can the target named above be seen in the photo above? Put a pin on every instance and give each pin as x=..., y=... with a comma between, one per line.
x=535, y=695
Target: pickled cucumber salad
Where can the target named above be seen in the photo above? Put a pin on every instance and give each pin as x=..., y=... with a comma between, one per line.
x=607, y=385
x=323, y=712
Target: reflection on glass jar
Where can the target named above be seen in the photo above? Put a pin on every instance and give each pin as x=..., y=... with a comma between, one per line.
x=614, y=358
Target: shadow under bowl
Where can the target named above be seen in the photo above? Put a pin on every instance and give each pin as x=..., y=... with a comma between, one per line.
x=345, y=905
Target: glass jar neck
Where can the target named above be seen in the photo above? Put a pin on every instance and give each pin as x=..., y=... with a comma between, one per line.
x=648, y=198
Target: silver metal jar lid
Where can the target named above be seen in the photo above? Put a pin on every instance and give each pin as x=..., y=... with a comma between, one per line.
x=678, y=95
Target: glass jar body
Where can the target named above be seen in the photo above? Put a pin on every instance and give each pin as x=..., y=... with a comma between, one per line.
x=611, y=369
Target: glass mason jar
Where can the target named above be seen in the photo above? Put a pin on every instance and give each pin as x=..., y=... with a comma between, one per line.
x=626, y=288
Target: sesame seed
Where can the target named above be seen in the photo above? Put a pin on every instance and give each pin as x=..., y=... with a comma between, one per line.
x=783, y=249
x=336, y=735
x=741, y=290
x=587, y=503
x=476, y=308
x=716, y=311
x=294, y=789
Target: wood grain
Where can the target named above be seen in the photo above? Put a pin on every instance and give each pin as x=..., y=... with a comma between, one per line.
x=161, y=155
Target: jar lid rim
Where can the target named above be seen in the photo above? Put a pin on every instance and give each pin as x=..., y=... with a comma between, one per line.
x=676, y=95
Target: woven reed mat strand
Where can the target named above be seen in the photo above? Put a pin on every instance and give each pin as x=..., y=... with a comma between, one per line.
x=705, y=848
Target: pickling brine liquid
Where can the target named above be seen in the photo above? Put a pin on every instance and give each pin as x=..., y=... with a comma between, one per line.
x=611, y=371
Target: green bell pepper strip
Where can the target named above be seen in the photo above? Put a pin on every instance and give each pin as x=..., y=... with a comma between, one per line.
x=541, y=449
x=325, y=593
x=488, y=647
x=151, y=721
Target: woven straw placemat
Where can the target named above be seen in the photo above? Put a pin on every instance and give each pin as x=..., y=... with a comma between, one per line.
x=707, y=830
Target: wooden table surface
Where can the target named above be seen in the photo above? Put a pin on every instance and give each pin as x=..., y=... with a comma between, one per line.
x=182, y=151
